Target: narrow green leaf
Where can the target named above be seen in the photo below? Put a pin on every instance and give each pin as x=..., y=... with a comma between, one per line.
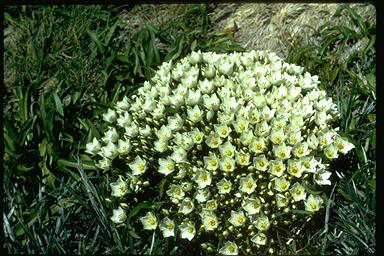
x=63, y=162
x=95, y=39
x=58, y=104
x=138, y=208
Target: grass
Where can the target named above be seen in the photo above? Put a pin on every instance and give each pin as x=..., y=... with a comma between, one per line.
x=65, y=65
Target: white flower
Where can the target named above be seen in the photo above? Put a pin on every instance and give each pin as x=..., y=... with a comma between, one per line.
x=262, y=129
x=281, y=184
x=119, y=215
x=202, y=178
x=124, y=120
x=267, y=113
x=262, y=223
x=313, y=203
x=277, y=136
x=251, y=205
x=297, y=192
x=197, y=136
x=312, y=141
x=213, y=140
x=294, y=138
x=323, y=104
x=202, y=195
x=110, y=116
x=149, y=105
x=240, y=125
x=227, y=164
x=281, y=200
x=179, y=155
x=246, y=137
x=227, y=150
x=301, y=149
x=177, y=100
x=261, y=163
x=295, y=167
x=325, y=139
x=211, y=205
x=193, y=97
x=195, y=114
x=282, y=151
x=175, y=122
x=259, y=239
x=111, y=136
x=93, y=147
x=184, y=140
x=195, y=57
x=209, y=72
x=122, y=105
x=309, y=163
x=166, y=166
x=190, y=81
x=209, y=220
x=211, y=162
x=161, y=145
x=247, y=184
x=222, y=130
x=331, y=152
x=176, y=191
x=257, y=145
x=342, y=145
x=225, y=67
x=167, y=227
x=224, y=186
x=104, y=163
x=225, y=117
x=109, y=151
x=139, y=166
x=321, y=177
x=229, y=248
x=124, y=146
x=237, y=219
x=242, y=158
x=119, y=188
x=146, y=131
x=149, y=221
x=211, y=102
x=132, y=130
x=276, y=167
x=187, y=230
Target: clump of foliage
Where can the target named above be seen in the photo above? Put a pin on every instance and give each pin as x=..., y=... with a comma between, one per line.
x=230, y=141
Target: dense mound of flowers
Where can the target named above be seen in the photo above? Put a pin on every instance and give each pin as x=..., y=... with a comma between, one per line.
x=229, y=140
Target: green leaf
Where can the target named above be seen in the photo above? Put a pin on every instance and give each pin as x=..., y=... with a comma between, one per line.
x=96, y=40
x=110, y=33
x=138, y=208
x=86, y=166
x=58, y=104
x=344, y=194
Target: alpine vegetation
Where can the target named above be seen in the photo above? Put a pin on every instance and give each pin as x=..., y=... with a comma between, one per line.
x=228, y=141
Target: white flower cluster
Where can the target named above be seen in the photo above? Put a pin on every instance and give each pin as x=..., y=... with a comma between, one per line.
x=235, y=136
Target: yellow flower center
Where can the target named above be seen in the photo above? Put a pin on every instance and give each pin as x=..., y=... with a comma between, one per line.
x=212, y=222
x=170, y=226
x=141, y=166
x=231, y=249
x=249, y=184
x=203, y=177
x=240, y=219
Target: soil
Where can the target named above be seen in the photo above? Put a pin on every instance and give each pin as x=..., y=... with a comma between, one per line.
x=258, y=26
